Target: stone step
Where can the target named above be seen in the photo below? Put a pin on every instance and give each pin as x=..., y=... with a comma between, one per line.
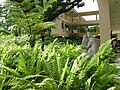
x=117, y=60
x=117, y=65
x=117, y=57
x=118, y=73
x=117, y=77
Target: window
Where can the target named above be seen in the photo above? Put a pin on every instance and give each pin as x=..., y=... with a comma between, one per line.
x=67, y=27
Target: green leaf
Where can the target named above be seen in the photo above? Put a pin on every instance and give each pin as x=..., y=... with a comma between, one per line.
x=14, y=72
x=47, y=84
x=87, y=87
x=63, y=73
x=111, y=88
x=22, y=65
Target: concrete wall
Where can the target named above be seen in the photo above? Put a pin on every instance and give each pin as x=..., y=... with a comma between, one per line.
x=57, y=30
x=104, y=20
x=118, y=36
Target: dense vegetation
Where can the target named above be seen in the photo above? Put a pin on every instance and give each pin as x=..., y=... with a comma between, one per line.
x=54, y=7
x=32, y=16
x=61, y=66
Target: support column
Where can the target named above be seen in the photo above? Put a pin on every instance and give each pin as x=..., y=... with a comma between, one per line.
x=104, y=20
x=118, y=36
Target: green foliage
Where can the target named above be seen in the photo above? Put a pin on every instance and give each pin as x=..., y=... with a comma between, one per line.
x=59, y=67
x=59, y=6
x=79, y=27
x=52, y=8
x=27, y=20
x=38, y=27
x=3, y=31
x=93, y=28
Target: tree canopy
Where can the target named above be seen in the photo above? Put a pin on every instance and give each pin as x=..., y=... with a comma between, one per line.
x=55, y=7
x=61, y=6
x=28, y=15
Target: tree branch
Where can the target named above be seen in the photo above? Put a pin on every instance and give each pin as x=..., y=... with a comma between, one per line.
x=62, y=7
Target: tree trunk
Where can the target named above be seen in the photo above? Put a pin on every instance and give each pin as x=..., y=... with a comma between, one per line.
x=32, y=40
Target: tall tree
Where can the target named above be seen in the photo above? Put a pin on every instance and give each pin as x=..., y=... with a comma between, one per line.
x=55, y=7
x=61, y=6
x=30, y=22
x=28, y=13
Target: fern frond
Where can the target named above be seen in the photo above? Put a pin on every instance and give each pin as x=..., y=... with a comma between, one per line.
x=22, y=65
x=12, y=71
x=34, y=59
x=48, y=84
x=63, y=73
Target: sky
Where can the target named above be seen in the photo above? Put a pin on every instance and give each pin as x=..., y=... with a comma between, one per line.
x=2, y=1
x=89, y=6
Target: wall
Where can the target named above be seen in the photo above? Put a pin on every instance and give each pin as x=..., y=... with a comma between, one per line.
x=57, y=30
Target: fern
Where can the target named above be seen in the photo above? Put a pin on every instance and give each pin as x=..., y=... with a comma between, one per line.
x=63, y=73
x=22, y=65
x=34, y=58
x=59, y=67
x=70, y=79
x=12, y=71
x=48, y=84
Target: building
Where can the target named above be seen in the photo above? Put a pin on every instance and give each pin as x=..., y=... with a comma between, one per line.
x=66, y=21
x=109, y=14
x=109, y=20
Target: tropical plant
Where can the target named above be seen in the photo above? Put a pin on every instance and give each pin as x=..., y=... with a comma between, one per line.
x=54, y=7
x=21, y=65
x=78, y=27
x=93, y=28
x=59, y=67
x=30, y=23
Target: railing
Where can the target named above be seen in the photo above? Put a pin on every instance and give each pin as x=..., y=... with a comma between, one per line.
x=77, y=18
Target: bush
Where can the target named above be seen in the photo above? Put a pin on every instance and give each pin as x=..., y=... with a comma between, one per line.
x=58, y=67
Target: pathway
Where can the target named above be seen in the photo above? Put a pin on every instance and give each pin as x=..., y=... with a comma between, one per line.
x=117, y=61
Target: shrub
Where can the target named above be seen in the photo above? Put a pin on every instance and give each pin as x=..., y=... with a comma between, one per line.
x=59, y=67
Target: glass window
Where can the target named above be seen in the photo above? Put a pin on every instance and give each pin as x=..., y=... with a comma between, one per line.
x=67, y=27
x=62, y=25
